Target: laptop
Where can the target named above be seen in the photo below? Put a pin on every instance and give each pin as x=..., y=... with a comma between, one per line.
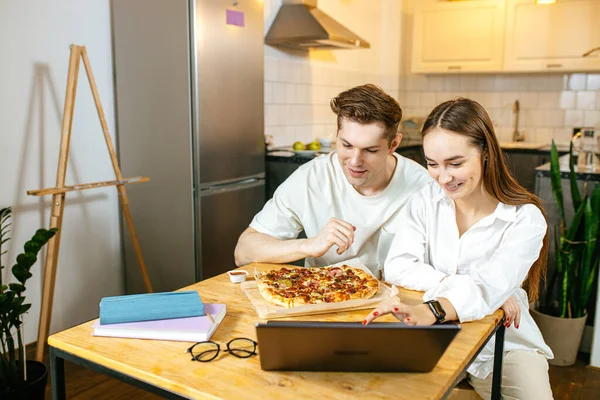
x=351, y=346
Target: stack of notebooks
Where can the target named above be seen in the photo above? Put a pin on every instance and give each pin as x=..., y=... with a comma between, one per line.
x=163, y=316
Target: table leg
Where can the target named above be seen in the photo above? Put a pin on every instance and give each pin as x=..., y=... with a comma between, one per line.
x=498, y=357
x=57, y=375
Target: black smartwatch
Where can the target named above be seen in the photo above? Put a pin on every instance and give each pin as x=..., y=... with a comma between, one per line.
x=438, y=311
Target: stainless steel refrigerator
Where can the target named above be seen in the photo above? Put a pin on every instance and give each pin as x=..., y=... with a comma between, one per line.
x=189, y=111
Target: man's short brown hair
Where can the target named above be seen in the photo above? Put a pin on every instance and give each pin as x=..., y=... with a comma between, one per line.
x=368, y=104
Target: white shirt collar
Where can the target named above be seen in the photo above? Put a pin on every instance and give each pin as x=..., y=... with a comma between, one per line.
x=503, y=211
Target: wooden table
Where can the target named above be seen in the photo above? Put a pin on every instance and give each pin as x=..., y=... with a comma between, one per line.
x=163, y=368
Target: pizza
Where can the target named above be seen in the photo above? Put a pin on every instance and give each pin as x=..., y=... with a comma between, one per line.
x=291, y=287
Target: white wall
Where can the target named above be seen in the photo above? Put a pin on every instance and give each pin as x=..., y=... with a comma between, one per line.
x=34, y=42
x=299, y=85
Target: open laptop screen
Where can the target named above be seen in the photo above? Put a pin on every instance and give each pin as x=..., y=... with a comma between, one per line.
x=351, y=346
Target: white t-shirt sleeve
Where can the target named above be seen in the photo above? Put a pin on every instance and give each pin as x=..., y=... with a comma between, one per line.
x=486, y=288
x=281, y=215
x=405, y=264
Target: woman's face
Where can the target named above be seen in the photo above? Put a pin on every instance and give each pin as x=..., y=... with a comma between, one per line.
x=453, y=162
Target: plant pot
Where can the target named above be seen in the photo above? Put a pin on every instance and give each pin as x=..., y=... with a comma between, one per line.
x=563, y=335
x=34, y=388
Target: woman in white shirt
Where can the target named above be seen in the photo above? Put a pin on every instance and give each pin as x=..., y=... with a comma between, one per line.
x=471, y=240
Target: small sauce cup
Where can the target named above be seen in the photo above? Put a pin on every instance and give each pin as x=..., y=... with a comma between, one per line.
x=237, y=276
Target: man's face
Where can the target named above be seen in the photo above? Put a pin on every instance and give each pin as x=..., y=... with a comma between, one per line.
x=363, y=152
x=453, y=162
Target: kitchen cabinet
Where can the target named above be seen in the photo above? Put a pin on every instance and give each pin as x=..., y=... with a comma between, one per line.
x=451, y=37
x=552, y=37
x=505, y=36
x=522, y=165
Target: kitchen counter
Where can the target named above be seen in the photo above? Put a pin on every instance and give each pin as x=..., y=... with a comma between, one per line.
x=286, y=153
x=584, y=174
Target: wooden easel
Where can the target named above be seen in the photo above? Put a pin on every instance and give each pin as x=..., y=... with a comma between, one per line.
x=58, y=192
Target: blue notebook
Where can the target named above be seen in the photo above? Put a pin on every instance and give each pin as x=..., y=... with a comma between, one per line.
x=150, y=307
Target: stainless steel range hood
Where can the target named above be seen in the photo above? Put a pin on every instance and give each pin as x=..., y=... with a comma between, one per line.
x=299, y=24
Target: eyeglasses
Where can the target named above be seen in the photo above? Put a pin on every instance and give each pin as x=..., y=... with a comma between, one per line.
x=209, y=350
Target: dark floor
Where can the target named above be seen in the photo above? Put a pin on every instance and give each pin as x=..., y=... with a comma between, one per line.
x=574, y=382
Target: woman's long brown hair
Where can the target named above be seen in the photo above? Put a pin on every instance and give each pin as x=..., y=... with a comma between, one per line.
x=468, y=118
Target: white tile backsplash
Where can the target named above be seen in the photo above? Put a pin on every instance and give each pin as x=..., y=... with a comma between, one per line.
x=451, y=83
x=426, y=100
x=538, y=83
x=278, y=93
x=586, y=100
x=593, y=82
x=577, y=82
x=270, y=115
x=485, y=83
x=270, y=69
x=468, y=83
x=528, y=100
x=441, y=97
x=553, y=118
x=567, y=100
x=591, y=118
x=548, y=100
x=508, y=98
x=268, y=92
x=297, y=96
x=289, y=93
x=540, y=134
x=573, y=118
x=562, y=135
x=285, y=70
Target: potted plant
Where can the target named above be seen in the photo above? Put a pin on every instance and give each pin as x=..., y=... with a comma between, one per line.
x=577, y=255
x=19, y=379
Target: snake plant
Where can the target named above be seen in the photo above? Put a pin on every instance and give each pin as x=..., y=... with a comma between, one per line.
x=12, y=303
x=575, y=244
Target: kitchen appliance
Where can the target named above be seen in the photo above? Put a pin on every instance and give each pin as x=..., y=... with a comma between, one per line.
x=189, y=107
x=300, y=25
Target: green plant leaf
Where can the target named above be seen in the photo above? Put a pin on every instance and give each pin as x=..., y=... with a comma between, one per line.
x=21, y=273
x=575, y=195
x=556, y=182
x=590, y=282
x=574, y=228
x=26, y=260
x=24, y=308
x=4, y=230
x=16, y=287
x=32, y=246
x=44, y=235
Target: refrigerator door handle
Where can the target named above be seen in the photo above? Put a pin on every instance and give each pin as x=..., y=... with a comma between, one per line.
x=230, y=186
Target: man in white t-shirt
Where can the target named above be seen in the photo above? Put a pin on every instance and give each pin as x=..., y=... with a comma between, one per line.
x=346, y=201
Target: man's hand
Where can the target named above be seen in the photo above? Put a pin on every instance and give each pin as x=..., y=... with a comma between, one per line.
x=512, y=312
x=336, y=232
x=410, y=315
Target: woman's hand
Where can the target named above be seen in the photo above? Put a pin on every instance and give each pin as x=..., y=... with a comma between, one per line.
x=411, y=315
x=512, y=312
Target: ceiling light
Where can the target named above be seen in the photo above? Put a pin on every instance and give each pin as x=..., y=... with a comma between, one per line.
x=545, y=1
